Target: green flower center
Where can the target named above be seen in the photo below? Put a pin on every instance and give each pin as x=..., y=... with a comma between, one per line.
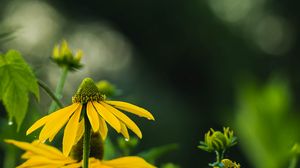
x=87, y=91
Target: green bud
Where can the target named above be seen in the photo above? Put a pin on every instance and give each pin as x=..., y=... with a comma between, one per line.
x=106, y=88
x=63, y=56
x=218, y=141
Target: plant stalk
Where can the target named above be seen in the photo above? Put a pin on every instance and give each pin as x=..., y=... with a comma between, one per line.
x=218, y=159
x=86, y=139
x=50, y=93
x=59, y=88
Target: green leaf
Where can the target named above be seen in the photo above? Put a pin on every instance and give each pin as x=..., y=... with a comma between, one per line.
x=153, y=154
x=17, y=81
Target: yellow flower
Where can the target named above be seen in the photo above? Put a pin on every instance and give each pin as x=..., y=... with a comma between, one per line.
x=89, y=101
x=227, y=163
x=39, y=155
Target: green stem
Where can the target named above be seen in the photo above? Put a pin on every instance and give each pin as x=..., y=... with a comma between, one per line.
x=222, y=154
x=59, y=88
x=218, y=159
x=293, y=162
x=86, y=139
x=50, y=93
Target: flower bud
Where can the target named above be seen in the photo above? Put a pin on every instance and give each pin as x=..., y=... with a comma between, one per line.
x=63, y=56
x=106, y=88
x=218, y=141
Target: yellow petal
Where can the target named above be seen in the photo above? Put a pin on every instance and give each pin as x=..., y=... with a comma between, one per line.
x=103, y=128
x=40, y=155
x=73, y=165
x=53, y=135
x=37, y=125
x=131, y=108
x=95, y=163
x=80, y=131
x=108, y=116
x=128, y=162
x=27, y=155
x=124, y=131
x=42, y=162
x=126, y=120
x=33, y=149
x=57, y=121
x=55, y=51
x=70, y=132
x=53, y=150
x=93, y=116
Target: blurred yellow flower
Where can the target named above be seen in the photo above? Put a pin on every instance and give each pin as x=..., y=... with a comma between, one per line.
x=227, y=163
x=89, y=100
x=39, y=155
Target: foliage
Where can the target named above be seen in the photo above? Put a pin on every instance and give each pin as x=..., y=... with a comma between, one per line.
x=266, y=128
x=17, y=81
x=218, y=141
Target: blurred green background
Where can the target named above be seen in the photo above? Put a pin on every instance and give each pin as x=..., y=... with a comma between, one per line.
x=195, y=64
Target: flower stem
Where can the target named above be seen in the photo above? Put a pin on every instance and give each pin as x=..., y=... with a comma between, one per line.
x=222, y=154
x=50, y=93
x=59, y=88
x=218, y=158
x=86, y=140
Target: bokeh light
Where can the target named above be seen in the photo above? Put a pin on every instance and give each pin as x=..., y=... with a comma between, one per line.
x=36, y=24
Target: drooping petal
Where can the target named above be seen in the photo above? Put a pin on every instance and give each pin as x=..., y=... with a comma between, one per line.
x=95, y=163
x=54, y=151
x=108, y=116
x=131, y=108
x=37, y=125
x=36, y=150
x=124, y=131
x=54, y=124
x=127, y=121
x=73, y=165
x=103, y=128
x=128, y=162
x=93, y=116
x=80, y=131
x=39, y=155
x=27, y=155
x=53, y=135
x=70, y=132
x=49, y=117
x=40, y=161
